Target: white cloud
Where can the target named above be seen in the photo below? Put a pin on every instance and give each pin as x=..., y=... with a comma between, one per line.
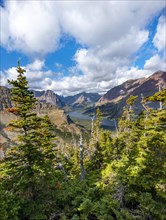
x=35, y=27
x=34, y=73
x=155, y=63
x=36, y=65
x=95, y=23
x=160, y=36
x=43, y=80
x=112, y=32
x=101, y=63
x=32, y=27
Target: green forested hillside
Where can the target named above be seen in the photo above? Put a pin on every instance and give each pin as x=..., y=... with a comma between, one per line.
x=118, y=176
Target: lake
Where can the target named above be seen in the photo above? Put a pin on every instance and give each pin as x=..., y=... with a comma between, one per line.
x=106, y=123
x=79, y=115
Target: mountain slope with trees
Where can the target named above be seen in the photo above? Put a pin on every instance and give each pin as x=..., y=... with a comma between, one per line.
x=111, y=176
x=111, y=104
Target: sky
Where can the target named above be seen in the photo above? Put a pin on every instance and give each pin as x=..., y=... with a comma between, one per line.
x=75, y=46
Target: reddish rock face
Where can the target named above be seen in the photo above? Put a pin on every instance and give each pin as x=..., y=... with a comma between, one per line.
x=145, y=86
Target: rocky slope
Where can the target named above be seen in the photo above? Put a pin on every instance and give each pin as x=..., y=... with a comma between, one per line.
x=81, y=99
x=49, y=97
x=46, y=106
x=5, y=101
x=62, y=123
x=112, y=103
x=145, y=86
x=57, y=117
x=43, y=96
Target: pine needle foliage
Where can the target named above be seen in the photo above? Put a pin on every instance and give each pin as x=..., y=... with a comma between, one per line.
x=29, y=173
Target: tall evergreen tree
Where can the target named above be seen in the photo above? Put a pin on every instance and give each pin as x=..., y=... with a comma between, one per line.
x=28, y=171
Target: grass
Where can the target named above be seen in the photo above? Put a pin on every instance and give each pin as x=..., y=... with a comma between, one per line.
x=82, y=122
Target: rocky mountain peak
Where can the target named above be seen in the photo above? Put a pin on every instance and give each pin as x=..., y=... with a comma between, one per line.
x=159, y=76
x=49, y=96
x=81, y=98
x=146, y=86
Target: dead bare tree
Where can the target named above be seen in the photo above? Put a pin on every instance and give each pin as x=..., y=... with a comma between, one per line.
x=81, y=158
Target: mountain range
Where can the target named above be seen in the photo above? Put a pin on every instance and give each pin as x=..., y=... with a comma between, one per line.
x=115, y=97
x=109, y=103
x=81, y=99
x=48, y=96
x=145, y=86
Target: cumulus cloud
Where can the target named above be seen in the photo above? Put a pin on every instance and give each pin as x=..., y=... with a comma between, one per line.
x=30, y=27
x=96, y=23
x=155, y=63
x=99, y=63
x=160, y=36
x=111, y=32
x=42, y=80
x=36, y=26
x=36, y=65
x=34, y=73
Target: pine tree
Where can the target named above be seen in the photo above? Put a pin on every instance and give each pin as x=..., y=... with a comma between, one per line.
x=158, y=96
x=141, y=164
x=28, y=171
x=100, y=144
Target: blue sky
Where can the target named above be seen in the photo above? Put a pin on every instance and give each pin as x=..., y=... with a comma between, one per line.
x=75, y=46
x=63, y=55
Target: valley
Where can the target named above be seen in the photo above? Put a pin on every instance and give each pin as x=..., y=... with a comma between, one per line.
x=83, y=152
x=111, y=103
x=86, y=120
x=81, y=107
x=82, y=110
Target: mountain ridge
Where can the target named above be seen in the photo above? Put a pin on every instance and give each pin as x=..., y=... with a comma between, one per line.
x=49, y=96
x=111, y=104
x=81, y=98
x=145, y=86
x=134, y=87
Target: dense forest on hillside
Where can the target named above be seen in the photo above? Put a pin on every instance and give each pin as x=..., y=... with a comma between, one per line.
x=120, y=176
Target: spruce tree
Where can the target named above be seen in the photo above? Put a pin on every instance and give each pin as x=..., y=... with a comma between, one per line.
x=141, y=168
x=28, y=171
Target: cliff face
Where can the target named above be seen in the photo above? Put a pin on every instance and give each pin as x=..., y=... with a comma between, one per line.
x=49, y=97
x=43, y=96
x=145, y=86
x=5, y=98
x=82, y=99
x=111, y=104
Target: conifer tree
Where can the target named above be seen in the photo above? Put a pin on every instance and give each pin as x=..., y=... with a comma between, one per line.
x=28, y=170
x=158, y=96
x=141, y=168
x=126, y=122
x=101, y=144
